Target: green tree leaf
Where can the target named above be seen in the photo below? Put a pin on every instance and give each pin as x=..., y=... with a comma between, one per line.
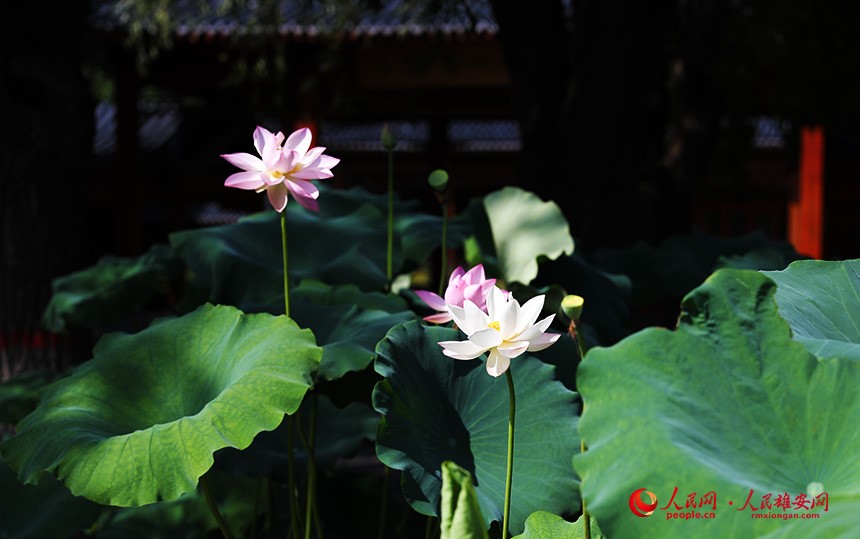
x=437, y=409
x=728, y=403
x=543, y=525
x=461, y=512
x=140, y=421
x=820, y=299
x=524, y=228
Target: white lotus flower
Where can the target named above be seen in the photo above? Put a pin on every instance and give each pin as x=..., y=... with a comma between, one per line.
x=506, y=330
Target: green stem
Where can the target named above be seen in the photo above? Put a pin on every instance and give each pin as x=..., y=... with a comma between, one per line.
x=429, y=528
x=270, y=502
x=443, y=276
x=291, y=479
x=580, y=346
x=388, y=263
x=256, y=512
x=286, y=274
x=512, y=397
x=314, y=499
x=213, y=507
x=586, y=519
x=383, y=505
x=308, y=444
x=294, y=503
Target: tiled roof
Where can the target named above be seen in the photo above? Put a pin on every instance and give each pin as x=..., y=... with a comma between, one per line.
x=311, y=18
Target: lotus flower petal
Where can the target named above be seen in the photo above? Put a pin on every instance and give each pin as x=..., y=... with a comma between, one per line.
x=246, y=180
x=486, y=338
x=245, y=161
x=283, y=166
x=461, y=349
x=299, y=141
x=506, y=330
x=497, y=363
x=278, y=196
x=432, y=300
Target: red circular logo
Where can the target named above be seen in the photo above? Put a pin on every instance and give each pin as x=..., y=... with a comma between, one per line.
x=638, y=506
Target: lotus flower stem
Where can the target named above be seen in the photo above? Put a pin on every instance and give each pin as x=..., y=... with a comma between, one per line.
x=383, y=504
x=438, y=180
x=291, y=478
x=429, y=528
x=213, y=507
x=286, y=274
x=390, y=249
x=291, y=475
x=586, y=519
x=510, y=464
x=443, y=273
x=256, y=511
x=311, y=512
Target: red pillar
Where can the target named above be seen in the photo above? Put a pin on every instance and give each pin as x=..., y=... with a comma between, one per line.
x=806, y=212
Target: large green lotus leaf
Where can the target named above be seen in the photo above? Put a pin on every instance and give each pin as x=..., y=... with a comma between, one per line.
x=687, y=260
x=437, y=409
x=727, y=403
x=20, y=395
x=760, y=258
x=345, y=243
x=44, y=510
x=140, y=421
x=642, y=264
x=543, y=525
x=682, y=262
x=821, y=302
x=606, y=295
x=240, y=264
x=347, y=323
x=188, y=516
x=421, y=233
x=110, y=291
x=524, y=228
x=339, y=434
x=461, y=513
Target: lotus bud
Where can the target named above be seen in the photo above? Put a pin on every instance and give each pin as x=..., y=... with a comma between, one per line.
x=387, y=139
x=438, y=180
x=572, y=306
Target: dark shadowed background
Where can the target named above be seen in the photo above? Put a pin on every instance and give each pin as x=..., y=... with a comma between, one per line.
x=641, y=119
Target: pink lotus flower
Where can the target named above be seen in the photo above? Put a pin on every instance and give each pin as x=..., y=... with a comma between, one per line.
x=285, y=167
x=469, y=285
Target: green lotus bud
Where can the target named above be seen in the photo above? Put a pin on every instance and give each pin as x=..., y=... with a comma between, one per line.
x=388, y=140
x=438, y=180
x=572, y=306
